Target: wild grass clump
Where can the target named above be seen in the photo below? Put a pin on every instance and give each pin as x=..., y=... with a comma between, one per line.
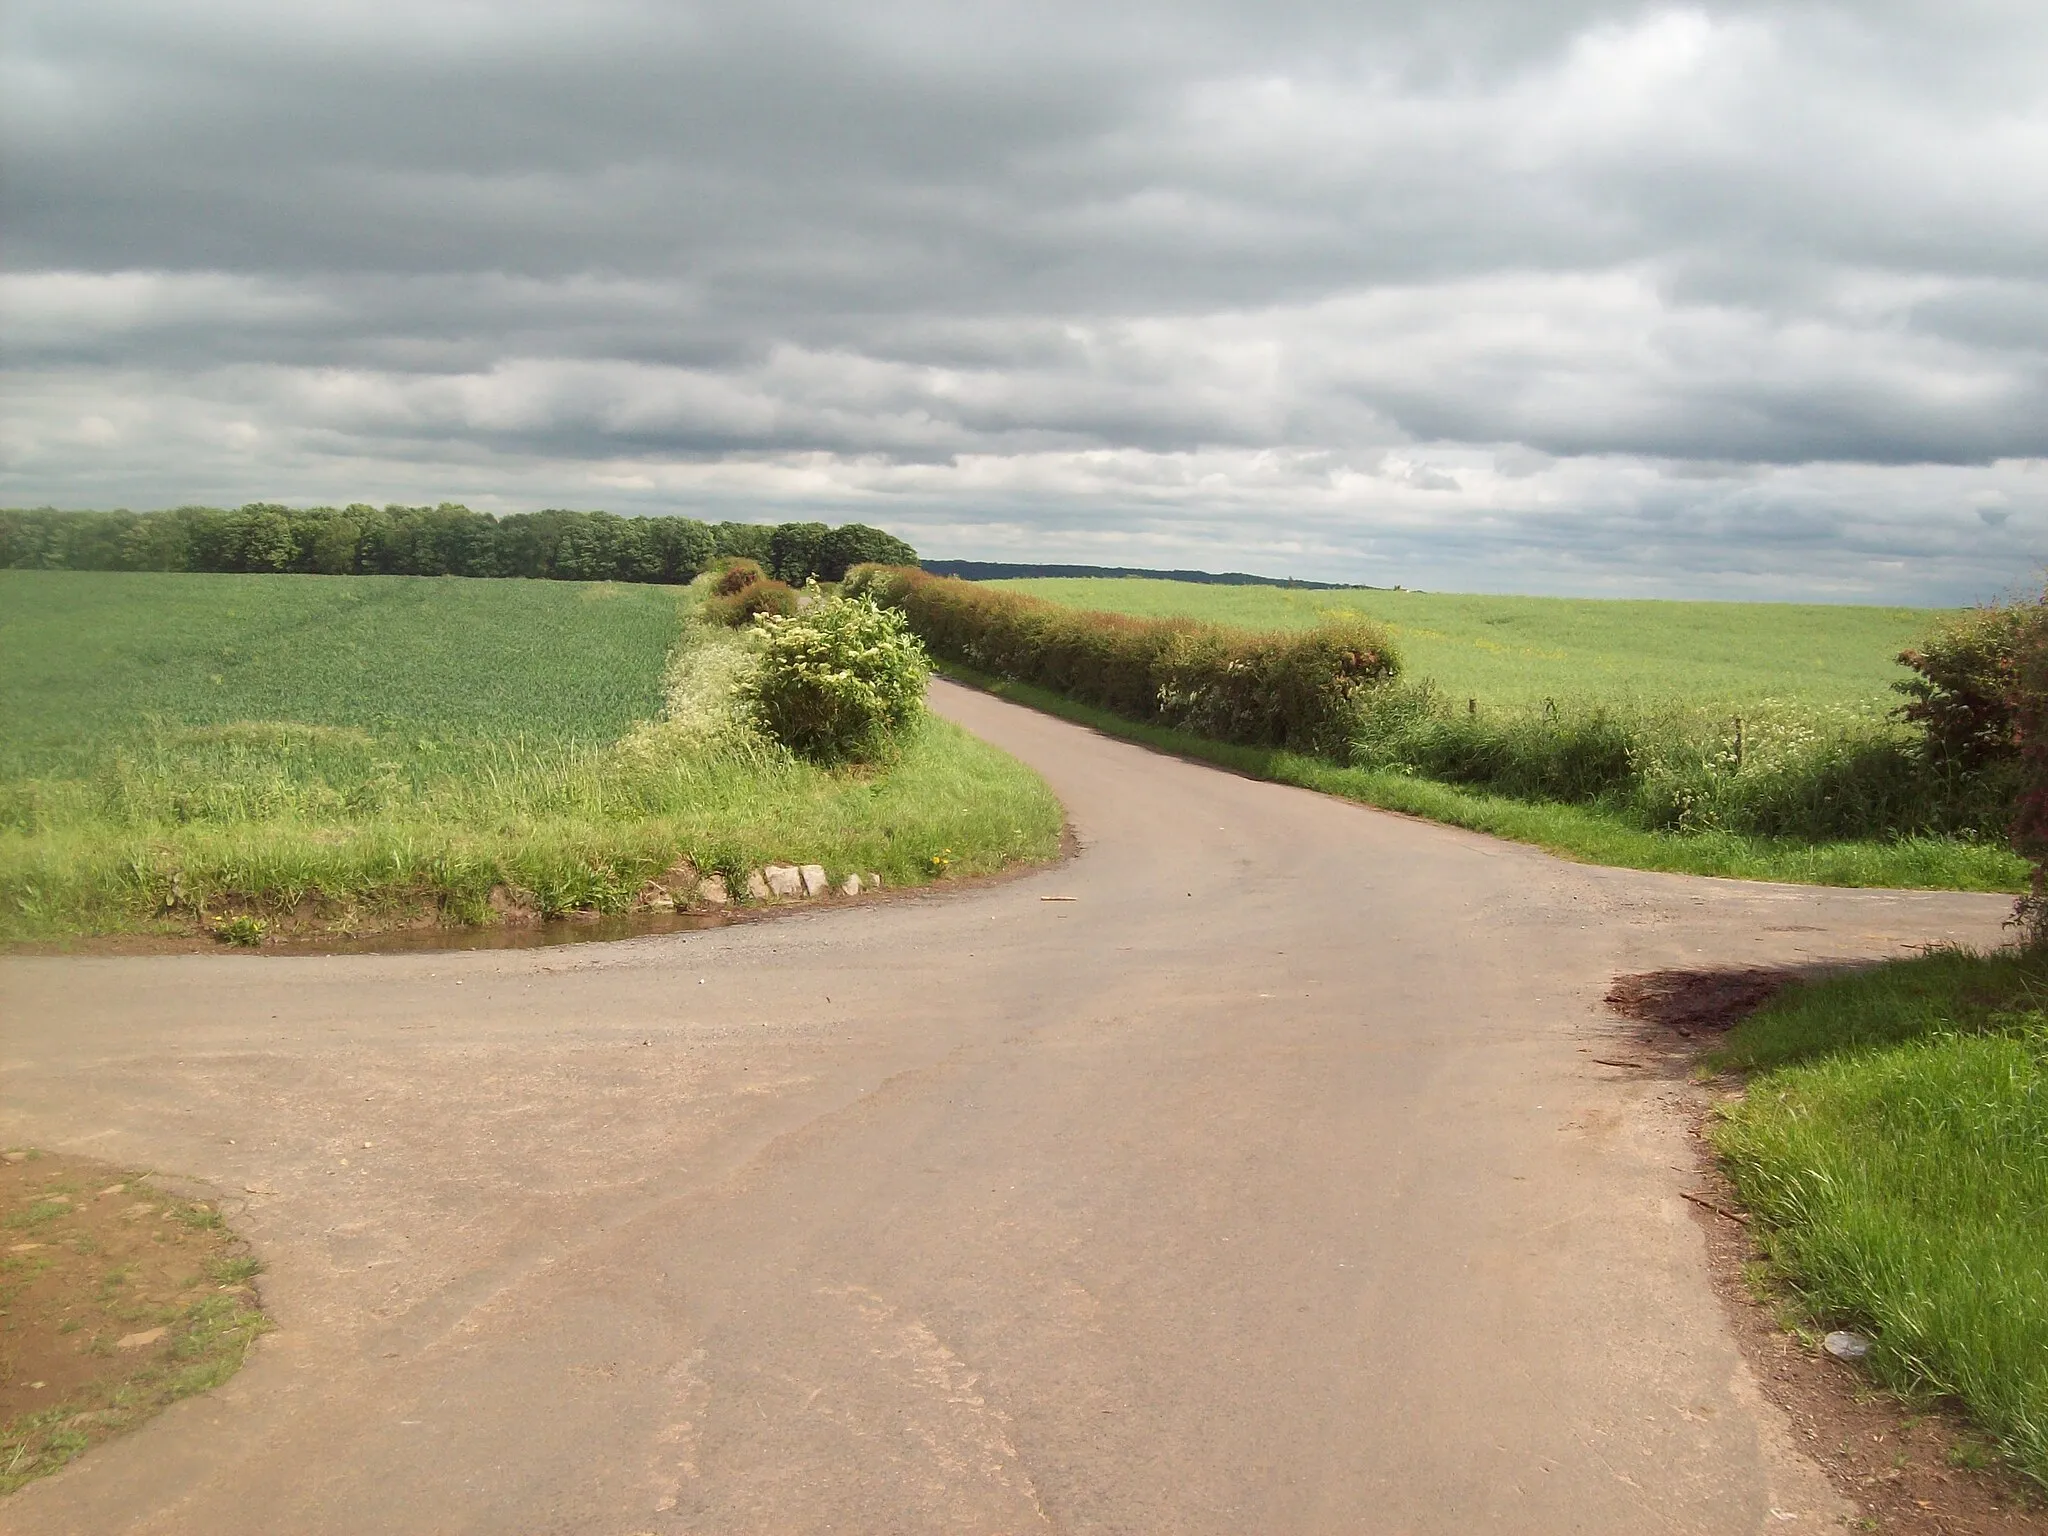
x=1275, y=689
x=1899, y=1170
x=838, y=682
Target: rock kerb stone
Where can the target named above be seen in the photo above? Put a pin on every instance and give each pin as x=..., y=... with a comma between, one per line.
x=815, y=883
x=784, y=880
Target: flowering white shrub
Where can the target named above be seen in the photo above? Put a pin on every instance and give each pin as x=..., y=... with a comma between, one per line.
x=838, y=680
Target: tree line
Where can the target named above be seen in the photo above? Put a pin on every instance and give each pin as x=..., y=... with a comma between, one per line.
x=446, y=540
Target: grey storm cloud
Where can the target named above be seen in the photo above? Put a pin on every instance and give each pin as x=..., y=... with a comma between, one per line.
x=1582, y=296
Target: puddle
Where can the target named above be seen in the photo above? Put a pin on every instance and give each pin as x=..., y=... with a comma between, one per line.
x=565, y=930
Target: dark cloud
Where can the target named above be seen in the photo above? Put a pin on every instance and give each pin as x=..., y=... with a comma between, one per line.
x=1732, y=297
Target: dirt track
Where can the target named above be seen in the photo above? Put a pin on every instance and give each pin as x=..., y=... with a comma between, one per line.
x=1264, y=1186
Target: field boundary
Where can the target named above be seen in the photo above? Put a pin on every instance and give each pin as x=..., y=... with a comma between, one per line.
x=1573, y=832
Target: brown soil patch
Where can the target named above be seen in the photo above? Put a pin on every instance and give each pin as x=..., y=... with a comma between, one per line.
x=117, y=1297
x=1911, y=1468
x=1691, y=1003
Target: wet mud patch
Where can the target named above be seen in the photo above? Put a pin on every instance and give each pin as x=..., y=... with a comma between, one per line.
x=117, y=1298
x=1692, y=1004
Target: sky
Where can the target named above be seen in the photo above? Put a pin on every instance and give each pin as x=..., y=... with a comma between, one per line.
x=1742, y=301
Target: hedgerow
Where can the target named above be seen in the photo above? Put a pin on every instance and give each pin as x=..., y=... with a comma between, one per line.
x=1294, y=689
x=751, y=598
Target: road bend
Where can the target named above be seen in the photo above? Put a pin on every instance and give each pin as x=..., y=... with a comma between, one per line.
x=1251, y=1171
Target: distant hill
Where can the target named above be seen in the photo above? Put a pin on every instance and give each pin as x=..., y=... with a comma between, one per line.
x=999, y=570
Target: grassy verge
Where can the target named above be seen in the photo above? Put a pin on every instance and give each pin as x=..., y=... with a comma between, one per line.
x=357, y=753
x=1576, y=831
x=1895, y=1152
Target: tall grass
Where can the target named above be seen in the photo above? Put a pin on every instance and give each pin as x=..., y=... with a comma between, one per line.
x=1779, y=770
x=1899, y=1167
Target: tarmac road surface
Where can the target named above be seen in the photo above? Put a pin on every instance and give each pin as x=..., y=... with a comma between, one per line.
x=1262, y=1182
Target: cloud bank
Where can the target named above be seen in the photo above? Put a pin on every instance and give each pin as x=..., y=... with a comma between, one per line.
x=1714, y=300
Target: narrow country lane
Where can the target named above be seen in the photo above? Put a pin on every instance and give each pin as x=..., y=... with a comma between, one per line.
x=1262, y=1182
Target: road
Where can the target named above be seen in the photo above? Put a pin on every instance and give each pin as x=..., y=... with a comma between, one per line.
x=1248, y=1173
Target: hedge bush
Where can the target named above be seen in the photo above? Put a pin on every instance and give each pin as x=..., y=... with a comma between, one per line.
x=1296, y=690
x=837, y=681
x=735, y=574
x=2029, y=702
x=1967, y=688
x=753, y=597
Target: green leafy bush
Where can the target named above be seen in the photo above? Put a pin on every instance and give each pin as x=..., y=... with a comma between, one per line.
x=1295, y=689
x=1963, y=695
x=839, y=680
x=2030, y=796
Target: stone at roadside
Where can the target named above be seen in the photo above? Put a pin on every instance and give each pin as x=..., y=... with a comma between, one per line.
x=655, y=897
x=15, y=1157
x=874, y=882
x=681, y=878
x=757, y=887
x=712, y=892
x=140, y=1340
x=815, y=883
x=850, y=886
x=784, y=880
x=1844, y=1345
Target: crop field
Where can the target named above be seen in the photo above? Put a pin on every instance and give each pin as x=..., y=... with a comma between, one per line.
x=373, y=750
x=418, y=667
x=1523, y=650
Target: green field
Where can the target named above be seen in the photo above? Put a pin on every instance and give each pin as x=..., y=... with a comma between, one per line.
x=358, y=751
x=424, y=666
x=1522, y=650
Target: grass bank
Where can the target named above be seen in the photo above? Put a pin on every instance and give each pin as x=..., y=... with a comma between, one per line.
x=1895, y=1150
x=349, y=753
x=1579, y=832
